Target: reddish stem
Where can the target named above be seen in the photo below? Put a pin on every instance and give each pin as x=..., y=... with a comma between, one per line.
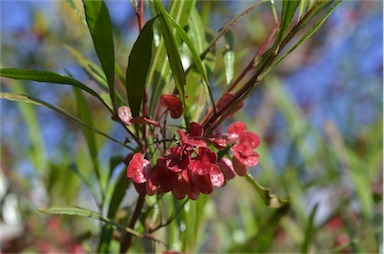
x=126, y=243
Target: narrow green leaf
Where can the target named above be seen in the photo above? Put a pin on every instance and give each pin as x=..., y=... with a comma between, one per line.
x=35, y=101
x=171, y=46
x=118, y=193
x=229, y=56
x=90, y=67
x=196, y=58
x=48, y=77
x=100, y=27
x=76, y=9
x=73, y=211
x=173, y=55
x=84, y=180
x=86, y=117
x=269, y=199
x=78, y=211
x=228, y=26
x=313, y=29
x=310, y=230
x=287, y=13
x=138, y=65
x=160, y=72
x=37, y=150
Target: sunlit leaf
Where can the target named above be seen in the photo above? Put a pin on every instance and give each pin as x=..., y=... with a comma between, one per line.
x=138, y=65
x=160, y=72
x=171, y=46
x=100, y=27
x=229, y=56
x=173, y=55
x=196, y=58
x=308, y=34
x=287, y=13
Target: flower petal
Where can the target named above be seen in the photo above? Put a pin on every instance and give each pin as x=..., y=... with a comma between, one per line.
x=139, y=168
x=173, y=104
x=125, y=114
x=249, y=138
x=203, y=183
x=226, y=167
x=239, y=167
x=237, y=128
x=217, y=178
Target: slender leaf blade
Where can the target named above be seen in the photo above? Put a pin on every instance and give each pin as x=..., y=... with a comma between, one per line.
x=86, y=117
x=100, y=27
x=269, y=199
x=310, y=230
x=48, y=77
x=307, y=35
x=35, y=101
x=138, y=66
x=229, y=56
x=171, y=46
x=173, y=56
x=77, y=211
x=90, y=67
x=196, y=58
x=160, y=72
x=287, y=13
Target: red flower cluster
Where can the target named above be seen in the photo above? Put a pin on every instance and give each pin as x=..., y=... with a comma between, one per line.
x=191, y=167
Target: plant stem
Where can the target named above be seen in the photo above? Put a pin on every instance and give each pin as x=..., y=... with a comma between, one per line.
x=125, y=243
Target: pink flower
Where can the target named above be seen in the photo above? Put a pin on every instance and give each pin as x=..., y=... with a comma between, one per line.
x=139, y=169
x=173, y=104
x=204, y=171
x=185, y=187
x=193, y=137
x=244, y=144
x=163, y=177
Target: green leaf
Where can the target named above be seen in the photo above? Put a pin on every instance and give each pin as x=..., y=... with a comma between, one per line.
x=37, y=151
x=76, y=9
x=310, y=230
x=73, y=211
x=160, y=72
x=229, y=57
x=138, y=65
x=269, y=199
x=48, y=77
x=90, y=67
x=313, y=29
x=86, y=117
x=100, y=27
x=196, y=58
x=287, y=13
x=78, y=211
x=171, y=46
x=118, y=193
x=35, y=101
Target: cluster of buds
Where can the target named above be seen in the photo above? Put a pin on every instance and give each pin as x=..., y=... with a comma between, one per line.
x=192, y=166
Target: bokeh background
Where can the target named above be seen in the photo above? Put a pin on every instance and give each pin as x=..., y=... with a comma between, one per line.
x=319, y=115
